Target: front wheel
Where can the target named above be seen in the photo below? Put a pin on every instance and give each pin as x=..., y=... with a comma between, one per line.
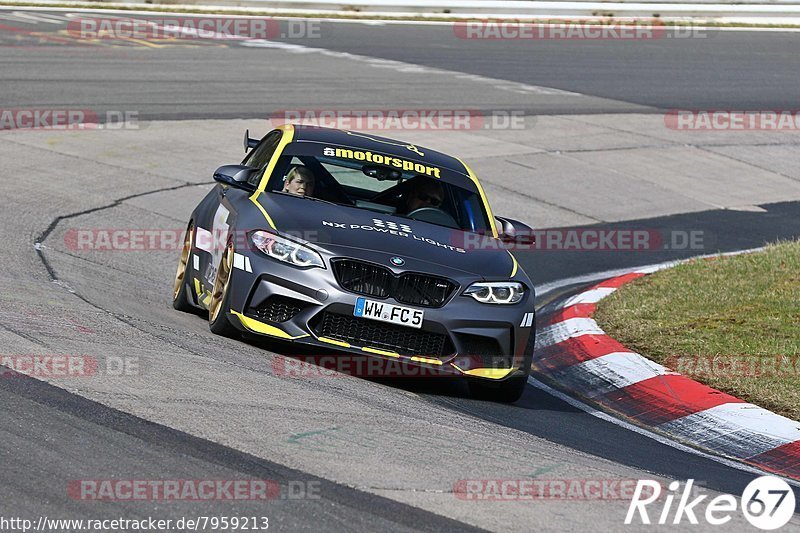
x=218, y=321
x=180, y=290
x=506, y=391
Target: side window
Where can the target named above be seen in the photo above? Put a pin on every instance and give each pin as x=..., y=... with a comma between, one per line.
x=261, y=154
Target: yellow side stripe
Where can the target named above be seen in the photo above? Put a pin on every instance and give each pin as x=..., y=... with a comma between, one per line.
x=197, y=291
x=288, y=135
x=265, y=329
x=381, y=352
x=260, y=207
x=516, y=265
x=334, y=341
x=426, y=360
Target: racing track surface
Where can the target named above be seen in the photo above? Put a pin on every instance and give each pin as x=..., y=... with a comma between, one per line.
x=712, y=69
x=386, y=455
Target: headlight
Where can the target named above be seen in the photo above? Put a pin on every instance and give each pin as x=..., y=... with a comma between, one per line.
x=496, y=292
x=285, y=250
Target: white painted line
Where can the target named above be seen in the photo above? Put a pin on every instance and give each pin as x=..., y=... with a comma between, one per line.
x=649, y=434
x=247, y=266
x=529, y=322
x=398, y=66
x=196, y=261
x=403, y=67
x=27, y=18
x=589, y=297
x=738, y=429
x=567, y=329
x=655, y=268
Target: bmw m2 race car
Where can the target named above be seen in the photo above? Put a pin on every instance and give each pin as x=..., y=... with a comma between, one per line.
x=364, y=245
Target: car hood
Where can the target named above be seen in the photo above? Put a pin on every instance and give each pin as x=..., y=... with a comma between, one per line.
x=379, y=237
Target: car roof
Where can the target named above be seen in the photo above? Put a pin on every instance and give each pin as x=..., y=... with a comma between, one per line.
x=368, y=141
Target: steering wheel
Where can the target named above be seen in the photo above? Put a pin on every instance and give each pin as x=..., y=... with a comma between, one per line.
x=434, y=215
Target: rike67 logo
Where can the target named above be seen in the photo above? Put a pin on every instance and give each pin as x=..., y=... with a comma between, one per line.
x=767, y=503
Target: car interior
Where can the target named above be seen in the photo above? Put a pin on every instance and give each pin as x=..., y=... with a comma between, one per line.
x=383, y=190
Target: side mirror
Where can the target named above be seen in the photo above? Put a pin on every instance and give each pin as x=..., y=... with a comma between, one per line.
x=248, y=142
x=515, y=232
x=236, y=176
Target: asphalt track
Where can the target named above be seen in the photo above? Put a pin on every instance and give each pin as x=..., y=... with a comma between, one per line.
x=700, y=70
x=386, y=455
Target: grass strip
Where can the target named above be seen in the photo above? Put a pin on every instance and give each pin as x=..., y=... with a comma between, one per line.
x=730, y=322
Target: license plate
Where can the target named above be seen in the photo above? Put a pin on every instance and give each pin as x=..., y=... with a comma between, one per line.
x=394, y=314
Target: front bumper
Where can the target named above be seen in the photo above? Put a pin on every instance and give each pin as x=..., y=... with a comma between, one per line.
x=463, y=337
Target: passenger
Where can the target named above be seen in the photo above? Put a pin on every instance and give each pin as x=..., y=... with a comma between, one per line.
x=424, y=192
x=300, y=181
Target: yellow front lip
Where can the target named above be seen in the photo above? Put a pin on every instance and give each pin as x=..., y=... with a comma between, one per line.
x=488, y=373
x=256, y=326
x=266, y=329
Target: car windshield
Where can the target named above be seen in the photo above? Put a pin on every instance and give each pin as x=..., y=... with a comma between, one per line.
x=380, y=183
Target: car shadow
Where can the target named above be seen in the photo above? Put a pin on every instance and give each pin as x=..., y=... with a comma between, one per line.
x=320, y=362
x=437, y=389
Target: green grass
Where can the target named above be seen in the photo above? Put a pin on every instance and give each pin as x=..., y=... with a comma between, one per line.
x=731, y=322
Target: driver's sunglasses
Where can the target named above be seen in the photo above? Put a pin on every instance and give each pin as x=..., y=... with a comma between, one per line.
x=435, y=201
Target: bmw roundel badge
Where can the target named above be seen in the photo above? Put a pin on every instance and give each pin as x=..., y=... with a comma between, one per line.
x=398, y=261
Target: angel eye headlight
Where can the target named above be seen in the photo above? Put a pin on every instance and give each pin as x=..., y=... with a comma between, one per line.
x=285, y=250
x=496, y=292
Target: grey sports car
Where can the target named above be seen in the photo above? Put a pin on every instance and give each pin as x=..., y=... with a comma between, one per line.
x=362, y=245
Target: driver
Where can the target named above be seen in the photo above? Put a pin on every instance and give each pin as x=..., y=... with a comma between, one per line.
x=300, y=181
x=425, y=192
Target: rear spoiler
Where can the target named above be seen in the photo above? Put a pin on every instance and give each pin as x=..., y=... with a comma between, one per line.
x=248, y=142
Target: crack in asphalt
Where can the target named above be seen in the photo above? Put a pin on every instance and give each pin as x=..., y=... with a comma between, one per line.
x=39, y=241
x=23, y=335
x=38, y=246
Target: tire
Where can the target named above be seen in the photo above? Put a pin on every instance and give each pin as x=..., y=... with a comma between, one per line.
x=218, y=321
x=506, y=391
x=181, y=295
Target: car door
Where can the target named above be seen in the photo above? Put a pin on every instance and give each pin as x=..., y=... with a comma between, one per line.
x=222, y=207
